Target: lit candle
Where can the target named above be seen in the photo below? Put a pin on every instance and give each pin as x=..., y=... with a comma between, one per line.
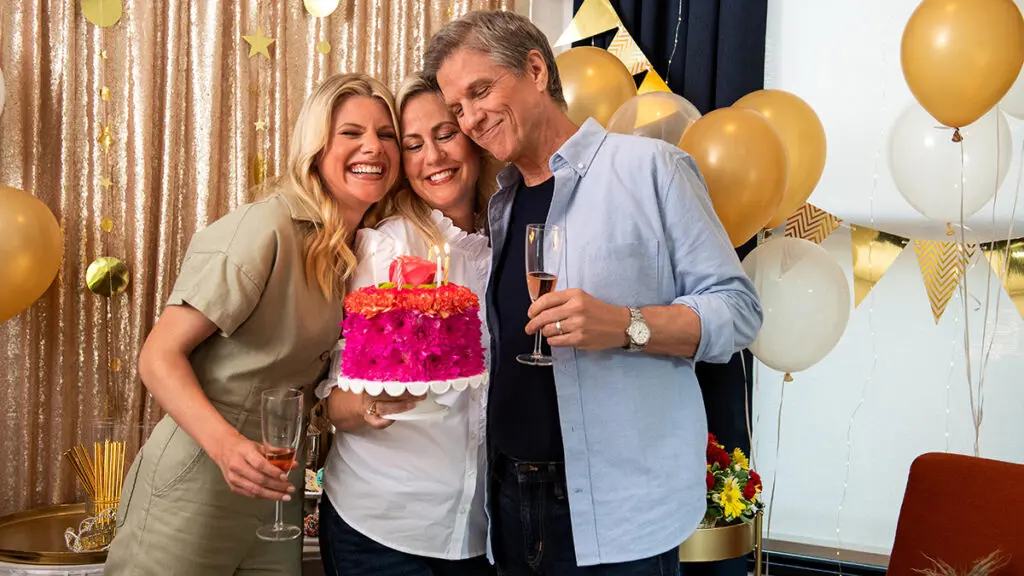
x=399, y=277
x=437, y=271
x=447, y=261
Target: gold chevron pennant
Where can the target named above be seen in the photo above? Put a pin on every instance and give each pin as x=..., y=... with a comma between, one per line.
x=652, y=83
x=624, y=48
x=1007, y=260
x=874, y=252
x=942, y=265
x=593, y=17
x=811, y=223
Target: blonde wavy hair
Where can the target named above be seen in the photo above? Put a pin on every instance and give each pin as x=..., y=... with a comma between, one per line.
x=329, y=260
x=404, y=202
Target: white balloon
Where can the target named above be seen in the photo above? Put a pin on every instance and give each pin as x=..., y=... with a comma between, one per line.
x=660, y=115
x=806, y=302
x=925, y=162
x=320, y=8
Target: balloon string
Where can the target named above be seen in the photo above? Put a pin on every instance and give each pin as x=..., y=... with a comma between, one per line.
x=747, y=399
x=775, y=473
x=962, y=271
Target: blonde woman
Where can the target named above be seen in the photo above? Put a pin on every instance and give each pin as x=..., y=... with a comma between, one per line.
x=406, y=498
x=256, y=306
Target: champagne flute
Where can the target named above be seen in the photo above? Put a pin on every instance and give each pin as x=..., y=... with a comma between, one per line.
x=281, y=422
x=544, y=243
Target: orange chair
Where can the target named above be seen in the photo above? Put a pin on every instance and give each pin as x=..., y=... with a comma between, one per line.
x=959, y=509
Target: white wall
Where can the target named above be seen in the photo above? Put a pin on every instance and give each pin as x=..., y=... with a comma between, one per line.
x=551, y=16
x=906, y=374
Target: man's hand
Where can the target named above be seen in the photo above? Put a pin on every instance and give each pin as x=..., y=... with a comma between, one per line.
x=586, y=322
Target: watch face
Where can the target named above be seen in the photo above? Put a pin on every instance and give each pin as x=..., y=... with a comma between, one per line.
x=639, y=333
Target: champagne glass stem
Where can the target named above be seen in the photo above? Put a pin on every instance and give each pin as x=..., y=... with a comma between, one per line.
x=536, y=346
x=278, y=521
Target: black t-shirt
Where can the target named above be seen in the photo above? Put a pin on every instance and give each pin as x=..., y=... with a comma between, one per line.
x=522, y=407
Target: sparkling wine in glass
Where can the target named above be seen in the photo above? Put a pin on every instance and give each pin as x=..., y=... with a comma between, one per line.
x=281, y=421
x=544, y=243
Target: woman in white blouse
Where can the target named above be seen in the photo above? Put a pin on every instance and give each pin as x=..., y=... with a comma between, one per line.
x=406, y=498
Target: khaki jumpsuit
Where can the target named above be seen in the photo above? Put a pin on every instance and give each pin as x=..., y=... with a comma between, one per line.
x=177, y=515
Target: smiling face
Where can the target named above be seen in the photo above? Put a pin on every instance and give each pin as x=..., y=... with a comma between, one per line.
x=361, y=160
x=499, y=109
x=441, y=163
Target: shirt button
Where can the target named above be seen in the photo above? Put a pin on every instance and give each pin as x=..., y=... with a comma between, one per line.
x=463, y=509
x=580, y=165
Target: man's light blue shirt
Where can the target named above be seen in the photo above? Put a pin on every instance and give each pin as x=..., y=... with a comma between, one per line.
x=640, y=230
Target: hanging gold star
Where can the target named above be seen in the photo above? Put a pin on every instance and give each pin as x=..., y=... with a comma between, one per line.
x=105, y=139
x=258, y=43
x=105, y=93
x=106, y=182
x=261, y=125
x=103, y=54
x=106, y=224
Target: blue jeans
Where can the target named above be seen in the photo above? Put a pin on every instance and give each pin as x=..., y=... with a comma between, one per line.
x=347, y=552
x=531, y=531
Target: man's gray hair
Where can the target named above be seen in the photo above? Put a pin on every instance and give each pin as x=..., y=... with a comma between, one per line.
x=505, y=36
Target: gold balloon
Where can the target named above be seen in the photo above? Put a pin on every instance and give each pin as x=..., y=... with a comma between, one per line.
x=103, y=13
x=31, y=246
x=960, y=57
x=107, y=276
x=594, y=82
x=743, y=161
x=804, y=137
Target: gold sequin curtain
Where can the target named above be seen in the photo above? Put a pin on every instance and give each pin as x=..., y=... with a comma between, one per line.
x=185, y=98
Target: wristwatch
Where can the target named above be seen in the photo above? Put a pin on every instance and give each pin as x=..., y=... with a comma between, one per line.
x=638, y=332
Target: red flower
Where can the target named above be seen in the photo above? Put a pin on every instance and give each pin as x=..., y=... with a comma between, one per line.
x=710, y=480
x=755, y=479
x=414, y=270
x=722, y=458
x=750, y=490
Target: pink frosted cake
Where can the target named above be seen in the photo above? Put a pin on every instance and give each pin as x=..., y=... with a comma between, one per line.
x=428, y=334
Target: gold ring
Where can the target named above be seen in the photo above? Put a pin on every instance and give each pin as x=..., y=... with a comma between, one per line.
x=372, y=410
x=558, y=327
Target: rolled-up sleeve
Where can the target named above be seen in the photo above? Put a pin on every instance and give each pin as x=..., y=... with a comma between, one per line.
x=708, y=276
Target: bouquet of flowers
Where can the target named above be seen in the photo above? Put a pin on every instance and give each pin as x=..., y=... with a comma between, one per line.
x=734, y=489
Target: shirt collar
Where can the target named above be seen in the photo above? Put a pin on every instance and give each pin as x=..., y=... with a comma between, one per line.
x=577, y=153
x=579, y=150
x=298, y=209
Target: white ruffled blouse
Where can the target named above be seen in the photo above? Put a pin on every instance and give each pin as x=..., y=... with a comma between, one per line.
x=417, y=486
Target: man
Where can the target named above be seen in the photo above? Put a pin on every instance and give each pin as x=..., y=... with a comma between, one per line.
x=597, y=463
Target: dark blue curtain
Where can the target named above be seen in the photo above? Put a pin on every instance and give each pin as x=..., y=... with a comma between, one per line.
x=718, y=58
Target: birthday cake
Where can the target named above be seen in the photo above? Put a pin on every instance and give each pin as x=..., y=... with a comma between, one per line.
x=411, y=334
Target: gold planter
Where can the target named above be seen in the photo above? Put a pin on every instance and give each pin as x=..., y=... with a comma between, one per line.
x=724, y=543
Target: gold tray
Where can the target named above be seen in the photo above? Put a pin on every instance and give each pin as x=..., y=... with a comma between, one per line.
x=37, y=537
x=720, y=543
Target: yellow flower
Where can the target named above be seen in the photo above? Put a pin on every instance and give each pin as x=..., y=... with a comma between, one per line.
x=731, y=499
x=740, y=458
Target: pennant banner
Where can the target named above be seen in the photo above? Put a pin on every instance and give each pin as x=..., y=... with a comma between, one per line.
x=625, y=49
x=811, y=223
x=593, y=17
x=652, y=83
x=942, y=265
x=1007, y=261
x=873, y=252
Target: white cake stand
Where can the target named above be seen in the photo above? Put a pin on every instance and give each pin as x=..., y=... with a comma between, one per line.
x=426, y=408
